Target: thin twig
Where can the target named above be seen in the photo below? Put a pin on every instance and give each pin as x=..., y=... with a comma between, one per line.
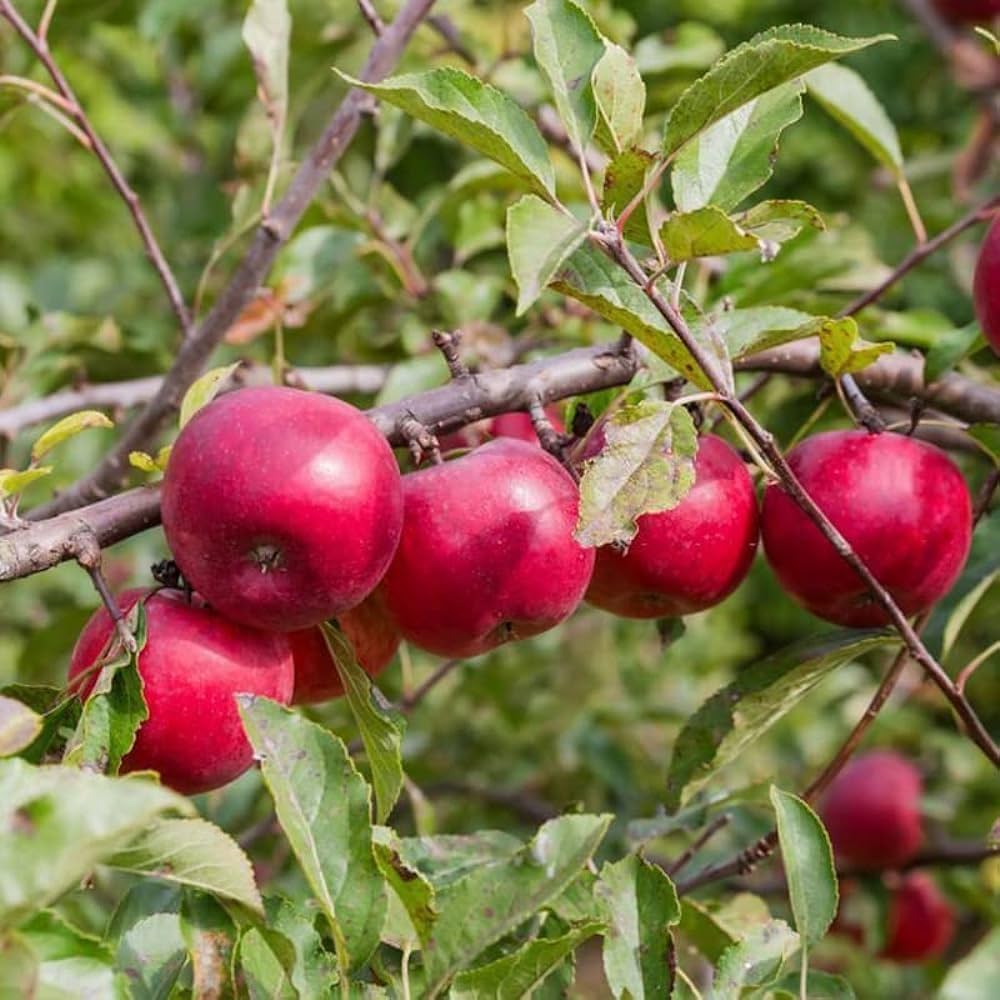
x=88, y=555
x=446, y=28
x=697, y=844
x=419, y=693
x=371, y=15
x=858, y=405
x=447, y=343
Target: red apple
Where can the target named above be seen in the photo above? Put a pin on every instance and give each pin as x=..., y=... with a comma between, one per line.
x=487, y=552
x=986, y=286
x=872, y=811
x=689, y=558
x=976, y=11
x=921, y=921
x=282, y=507
x=901, y=503
x=512, y=425
x=372, y=636
x=192, y=665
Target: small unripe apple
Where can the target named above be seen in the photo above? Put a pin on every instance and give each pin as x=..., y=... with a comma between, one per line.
x=986, y=286
x=487, y=552
x=901, y=503
x=921, y=921
x=282, y=507
x=372, y=636
x=872, y=811
x=193, y=664
x=976, y=11
x=689, y=558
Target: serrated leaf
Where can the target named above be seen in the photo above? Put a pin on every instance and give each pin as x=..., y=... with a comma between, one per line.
x=621, y=100
x=267, y=30
x=766, y=61
x=115, y=707
x=61, y=822
x=645, y=465
x=642, y=906
x=705, y=232
x=567, y=48
x=755, y=960
x=71, y=962
x=624, y=178
x=746, y=331
x=446, y=859
x=519, y=974
x=731, y=159
x=808, y=861
x=492, y=900
x=539, y=240
x=741, y=712
x=195, y=853
x=381, y=727
x=780, y=219
x=19, y=726
x=262, y=971
x=324, y=807
x=842, y=350
x=704, y=930
x=12, y=481
x=591, y=278
x=65, y=429
x=203, y=391
x=474, y=113
x=848, y=99
x=314, y=969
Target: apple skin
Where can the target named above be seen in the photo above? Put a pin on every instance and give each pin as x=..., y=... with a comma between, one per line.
x=689, y=558
x=901, y=503
x=282, y=508
x=372, y=636
x=511, y=425
x=872, y=811
x=487, y=553
x=976, y=11
x=921, y=921
x=986, y=286
x=192, y=665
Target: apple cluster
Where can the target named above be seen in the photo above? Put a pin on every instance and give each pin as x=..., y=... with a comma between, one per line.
x=284, y=509
x=872, y=813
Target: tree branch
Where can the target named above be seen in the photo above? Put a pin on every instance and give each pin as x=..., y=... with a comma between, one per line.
x=272, y=234
x=40, y=46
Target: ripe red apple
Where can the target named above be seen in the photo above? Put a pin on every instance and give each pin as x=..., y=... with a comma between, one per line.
x=282, y=507
x=512, y=425
x=901, y=503
x=372, y=636
x=976, y=11
x=689, y=558
x=872, y=811
x=921, y=921
x=193, y=664
x=986, y=286
x=487, y=552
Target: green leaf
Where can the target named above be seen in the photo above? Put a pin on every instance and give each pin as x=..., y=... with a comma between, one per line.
x=768, y=60
x=950, y=348
x=704, y=930
x=474, y=113
x=58, y=710
x=567, y=49
x=755, y=960
x=18, y=968
x=705, y=232
x=58, y=823
x=779, y=220
x=12, y=481
x=65, y=429
x=846, y=96
x=842, y=350
x=491, y=901
x=381, y=727
x=519, y=974
x=964, y=608
x=808, y=859
x=621, y=100
x=741, y=712
x=115, y=707
x=324, y=807
x=591, y=278
x=645, y=465
x=263, y=973
x=72, y=963
x=314, y=969
x=446, y=859
x=624, y=178
x=977, y=975
x=819, y=986
x=267, y=30
x=539, y=240
x=151, y=954
x=734, y=157
x=19, y=726
x=642, y=906
x=210, y=937
x=413, y=889
x=203, y=391
x=746, y=331
x=195, y=853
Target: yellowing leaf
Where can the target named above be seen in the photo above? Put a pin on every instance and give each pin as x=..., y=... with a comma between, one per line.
x=142, y=461
x=12, y=481
x=67, y=428
x=203, y=391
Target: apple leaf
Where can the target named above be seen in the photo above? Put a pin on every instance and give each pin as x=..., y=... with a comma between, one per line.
x=65, y=429
x=848, y=99
x=59, y=712
x=962, y=610
x=705, y=232
x=381, y=727
x=412, y=888
x=949, y=348
x=704, y=929
x=746, y=331
x=645, y=465
x=757, y=959
x=262, y=972
x=313, y=968
x=209, y=935
x=567, y=49
x=267, y=30
x=842, y=350
x=779, y=219
x=203, y=390
x=988, y=436
x=12, y=481
x=19, y=726
x=152, y=954
x=766, y=61
x=641, y=905
x=72, y=963
x=734, y=157
x=324, y=808
x=621, y=100
x=539, y=239
x=623, y=180
x=476, y=114
x=736, y=716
